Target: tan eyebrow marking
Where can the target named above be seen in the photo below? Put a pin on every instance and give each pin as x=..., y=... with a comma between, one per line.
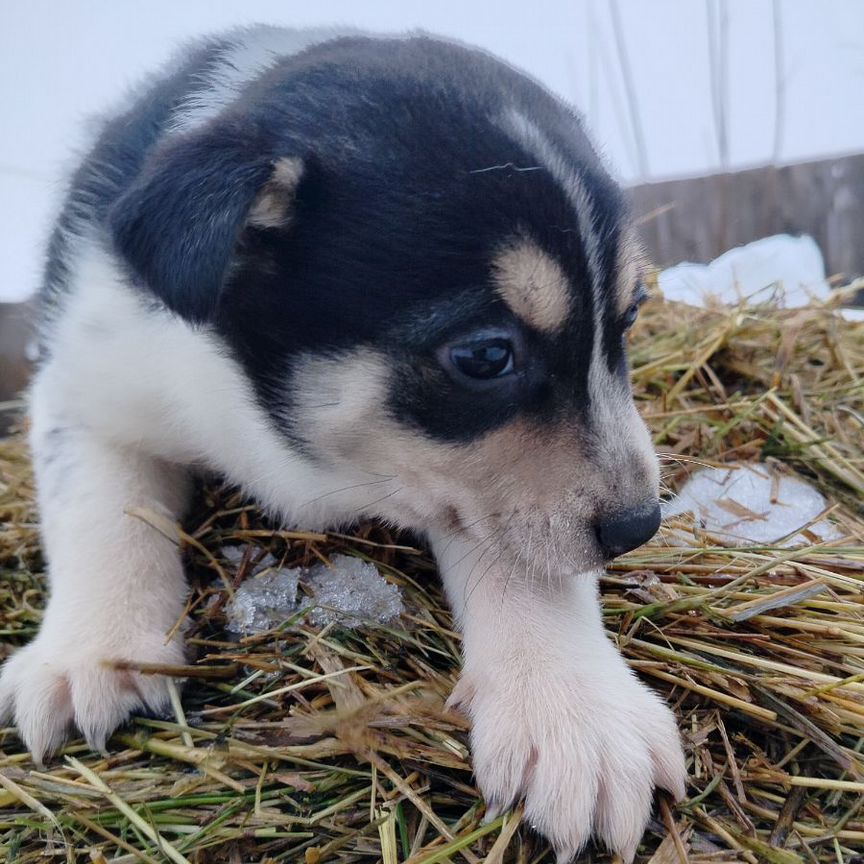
x=532, y=284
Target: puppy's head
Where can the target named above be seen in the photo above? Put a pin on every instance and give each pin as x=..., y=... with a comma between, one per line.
x=428, y=276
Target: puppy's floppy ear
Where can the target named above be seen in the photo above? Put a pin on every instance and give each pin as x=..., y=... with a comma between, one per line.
x=178, y=224
x=274, y=204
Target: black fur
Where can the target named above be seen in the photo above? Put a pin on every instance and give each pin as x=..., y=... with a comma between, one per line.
x=179, y=223
x=409, y=188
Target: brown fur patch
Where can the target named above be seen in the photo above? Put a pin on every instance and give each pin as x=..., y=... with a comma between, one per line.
x=533, y=285
x=273, y=207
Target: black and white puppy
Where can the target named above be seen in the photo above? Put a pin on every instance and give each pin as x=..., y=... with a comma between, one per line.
x=357, y=276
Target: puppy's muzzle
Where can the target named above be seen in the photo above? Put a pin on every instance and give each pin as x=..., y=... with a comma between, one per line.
x=627, y=529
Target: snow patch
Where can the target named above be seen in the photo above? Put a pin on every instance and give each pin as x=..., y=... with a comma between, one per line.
x=782, y=270
x=264, y=601
x=750, y=504
x=350, y=592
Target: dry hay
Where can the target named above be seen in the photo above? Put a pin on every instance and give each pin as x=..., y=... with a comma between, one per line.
x=335, y=746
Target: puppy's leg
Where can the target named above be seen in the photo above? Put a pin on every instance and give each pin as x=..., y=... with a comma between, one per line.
x=557, y=716
x=116, y=588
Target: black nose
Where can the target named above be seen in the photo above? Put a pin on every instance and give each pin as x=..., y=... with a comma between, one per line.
x=628, y=529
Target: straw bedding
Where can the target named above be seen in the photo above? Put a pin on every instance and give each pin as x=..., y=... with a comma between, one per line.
x=334, y=745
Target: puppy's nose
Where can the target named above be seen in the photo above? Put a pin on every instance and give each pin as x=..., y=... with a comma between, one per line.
x=627, y=529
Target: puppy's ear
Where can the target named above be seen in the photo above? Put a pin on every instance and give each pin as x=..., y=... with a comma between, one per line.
x=178, y=225
x=274, y=204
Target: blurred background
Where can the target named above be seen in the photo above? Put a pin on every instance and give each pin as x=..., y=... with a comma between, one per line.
x=730, y=119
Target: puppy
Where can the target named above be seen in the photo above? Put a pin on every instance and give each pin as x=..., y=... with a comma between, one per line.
x=357, y=276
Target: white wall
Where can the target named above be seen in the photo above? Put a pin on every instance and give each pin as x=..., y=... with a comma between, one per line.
x=61, y=60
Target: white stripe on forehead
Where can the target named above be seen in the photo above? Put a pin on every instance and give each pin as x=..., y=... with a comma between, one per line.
x=526, y=133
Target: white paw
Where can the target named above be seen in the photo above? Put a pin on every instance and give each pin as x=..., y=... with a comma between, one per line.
x=54, y=683
x=584, y=749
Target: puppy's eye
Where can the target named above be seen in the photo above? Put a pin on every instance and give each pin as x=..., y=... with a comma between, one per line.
x=630, y=316
x=628, y=319
x=483, y=360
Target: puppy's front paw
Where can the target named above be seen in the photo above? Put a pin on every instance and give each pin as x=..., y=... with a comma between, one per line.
x=55, y=682
x=584, y=751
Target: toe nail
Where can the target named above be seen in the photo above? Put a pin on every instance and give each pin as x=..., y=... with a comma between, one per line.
x=97, y=743
x=493, y=811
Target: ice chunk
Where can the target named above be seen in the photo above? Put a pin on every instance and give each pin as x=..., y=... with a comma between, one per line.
x=263, y=602
x=234, y=554
x=783, y=270
x=351, y=593
x=746, y=504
